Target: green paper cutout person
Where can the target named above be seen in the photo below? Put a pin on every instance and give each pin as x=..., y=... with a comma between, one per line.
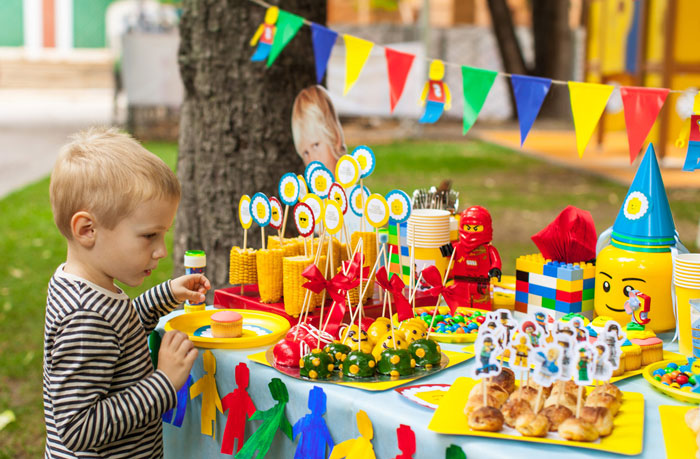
x=206, y=385
x=454, y=452
x=360, y=447
x=273, y=419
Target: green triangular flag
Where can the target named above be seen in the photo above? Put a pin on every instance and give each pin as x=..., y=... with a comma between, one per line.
x=288, y=25
x=476, y=84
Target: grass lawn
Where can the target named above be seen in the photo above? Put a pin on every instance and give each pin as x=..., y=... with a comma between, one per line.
x=522, y=194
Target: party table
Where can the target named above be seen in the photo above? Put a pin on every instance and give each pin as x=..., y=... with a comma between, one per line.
x=387, y=410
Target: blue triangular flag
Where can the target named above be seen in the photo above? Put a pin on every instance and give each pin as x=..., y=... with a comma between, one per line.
x=323, y=40
x=529, y=95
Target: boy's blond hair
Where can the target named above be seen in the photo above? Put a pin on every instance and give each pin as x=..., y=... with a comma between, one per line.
x=107, y=173
x=313, y=110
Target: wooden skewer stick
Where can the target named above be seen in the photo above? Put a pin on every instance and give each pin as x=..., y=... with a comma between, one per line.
x=307, y=296
x=329, y=256
x=245, y=244
x=444, y=281
x=284, y=220
x=262, y=231
x=578, y=401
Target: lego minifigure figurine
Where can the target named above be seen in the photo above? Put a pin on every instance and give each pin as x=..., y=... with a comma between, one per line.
x=476, y=261
x=638, y=306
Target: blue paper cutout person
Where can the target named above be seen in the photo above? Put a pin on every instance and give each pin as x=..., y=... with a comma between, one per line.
x=436, y=94
x=183, y=396
x=265, y=35
x=240, y=407
x=312, y=429
x=273, y=419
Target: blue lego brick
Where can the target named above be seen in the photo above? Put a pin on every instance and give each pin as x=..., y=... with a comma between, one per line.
x=550, y=269
x=563, y=306
x=570, y=272
x=544, y=292
x=521, y=297
x=589, y=283
x=404, y=251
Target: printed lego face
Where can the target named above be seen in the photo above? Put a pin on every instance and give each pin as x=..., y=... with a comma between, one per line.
x=620, y=271
x=260, y=209
x=476, y=228
x=523, y=340
x=396, y=207
x=289, y=189
x=274, y=214
x=529, y=330
x=552, y=354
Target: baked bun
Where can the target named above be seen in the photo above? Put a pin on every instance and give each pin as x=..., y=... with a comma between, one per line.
x=605, y=400
x=692, y=419
x=608, y=388
x=546, y=391
x=505, y=379
x=494, y=390
x=532, y=425
x=566, y=387
x=529, y=394
x=600, y=417
x=513, y=408
x=486, y=418
x=566, y=399
x=556, y=415
x=576, y=429
x=478, y=402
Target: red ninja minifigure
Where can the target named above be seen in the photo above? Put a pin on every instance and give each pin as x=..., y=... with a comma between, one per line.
x=475, y=260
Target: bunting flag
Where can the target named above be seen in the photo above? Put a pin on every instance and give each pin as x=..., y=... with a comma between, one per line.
x=398, y=65
x=588, y=100
x=642, y=105
x=529, y=94
x=356, y=54
x=288, y=25
x=476, y=84
x=692, y=158
x=323, y=40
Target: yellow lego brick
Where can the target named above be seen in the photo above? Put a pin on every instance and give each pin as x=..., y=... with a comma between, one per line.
x=569, y=286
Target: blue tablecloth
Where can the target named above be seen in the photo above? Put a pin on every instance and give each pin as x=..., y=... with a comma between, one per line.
x=386, y=410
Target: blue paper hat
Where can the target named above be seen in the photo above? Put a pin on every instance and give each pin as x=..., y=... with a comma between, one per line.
x=644, y=223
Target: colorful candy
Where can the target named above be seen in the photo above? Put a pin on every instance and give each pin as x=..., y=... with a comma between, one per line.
x=460, y=324
x=677, y=377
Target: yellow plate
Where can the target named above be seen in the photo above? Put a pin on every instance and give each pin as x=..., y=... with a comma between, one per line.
x=454, y=359
x=626, y=438
x=259, y=329
x=678, y=438
x=688, y=397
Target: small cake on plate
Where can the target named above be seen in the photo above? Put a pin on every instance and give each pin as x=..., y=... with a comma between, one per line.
x=226, y=324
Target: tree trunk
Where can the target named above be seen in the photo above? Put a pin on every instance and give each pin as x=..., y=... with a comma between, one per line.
x=508, y=46
x=235, y=128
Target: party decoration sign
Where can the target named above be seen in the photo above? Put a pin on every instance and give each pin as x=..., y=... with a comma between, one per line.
x=358, y=198
x=304, y=219
x=321, y=181
x=333, y=217
x=275, y=213
x=356, y=54
x=365, y=158
x=323, y=40
x=347, y=171
x=303, y=189
x=398, y=65
x=529, y=94
x=588, y=100
x=244, y=212
x=316, y=205
x=337, y=194
x=399, y=206
x=377, y=210
x=476, y=84
x=260, y=209
x=288, y=189
x=312, y=166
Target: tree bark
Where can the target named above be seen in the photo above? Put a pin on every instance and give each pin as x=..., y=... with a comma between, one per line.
x=502, y=23
x=235, y=129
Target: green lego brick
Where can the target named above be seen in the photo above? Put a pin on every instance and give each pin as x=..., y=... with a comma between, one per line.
x=548, y=303
x=588, y=294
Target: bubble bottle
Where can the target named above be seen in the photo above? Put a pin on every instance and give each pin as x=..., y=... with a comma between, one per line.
x=195, y=262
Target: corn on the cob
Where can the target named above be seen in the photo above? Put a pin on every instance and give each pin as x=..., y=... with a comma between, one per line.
x=294, y=293
x=269, y=267
x=242, y=268
x=369, y=250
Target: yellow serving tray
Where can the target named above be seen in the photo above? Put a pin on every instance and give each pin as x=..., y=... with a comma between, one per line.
x=259, y=329
x=688, y=397
x=626, y=438
x=678, y=438
x=376, y=386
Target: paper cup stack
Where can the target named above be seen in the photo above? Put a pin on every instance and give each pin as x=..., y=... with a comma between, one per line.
x=686, y=280
x=428, y=230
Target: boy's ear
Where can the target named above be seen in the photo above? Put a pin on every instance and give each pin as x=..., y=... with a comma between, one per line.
x=82, y=226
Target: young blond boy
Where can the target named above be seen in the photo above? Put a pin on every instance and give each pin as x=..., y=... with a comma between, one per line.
x=113, y=201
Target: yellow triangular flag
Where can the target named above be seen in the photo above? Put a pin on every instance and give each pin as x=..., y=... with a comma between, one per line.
x=356, y=53
x=588, y=100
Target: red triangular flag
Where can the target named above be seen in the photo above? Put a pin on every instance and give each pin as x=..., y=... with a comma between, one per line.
x=398, y=65
x=642, y=105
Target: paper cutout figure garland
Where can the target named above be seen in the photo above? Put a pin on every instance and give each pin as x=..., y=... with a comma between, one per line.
x=436, y=94
x=312, y=430
x=360, y=447
x=240, y=407
x=265, y=35
x=407, y=442
x=273, y=419
x=454, y=452
x=206, y=385
x=180, y=409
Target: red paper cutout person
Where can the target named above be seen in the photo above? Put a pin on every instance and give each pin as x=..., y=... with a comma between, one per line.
x=407, y=442
x=240, y=407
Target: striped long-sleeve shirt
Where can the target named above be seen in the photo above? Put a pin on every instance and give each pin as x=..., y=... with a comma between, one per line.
x=101, y=395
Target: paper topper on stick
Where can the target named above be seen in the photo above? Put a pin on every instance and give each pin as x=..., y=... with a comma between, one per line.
x=357, y=198
x=613, y=337
x=333, y=217
x=486, y=349
x=304, y=219
x=407, y=442
x=535, y=334
x=337, y=194
x=347, y=171
x=567, y=346
x=260, y=209
x=316, y=204
x=602, y=368
x=273, y=419
x=399, y=206
x=360, y=447
x=436, y=94
x=265, y=35
x=312, y=430
x=312, y=166
x=323, y=40
x=580, y=331
x=303, y=189
x=547, y=360
x=377, y=210
x=206, y=385
x=275, y=213
x=321, y=181
x=365, y=158
x=398, y=65
x=584, y=365
x=240, y=407
x=244, y=212
x=520, y=350
x=288, y=189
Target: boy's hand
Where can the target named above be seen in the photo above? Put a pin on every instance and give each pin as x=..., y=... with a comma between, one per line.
x=176, y=356
x=191, y=287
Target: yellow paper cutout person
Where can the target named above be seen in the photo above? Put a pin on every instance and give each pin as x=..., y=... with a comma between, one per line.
x=360, y=447
x=265, y=35
x=436, y=94
x=206, y=386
